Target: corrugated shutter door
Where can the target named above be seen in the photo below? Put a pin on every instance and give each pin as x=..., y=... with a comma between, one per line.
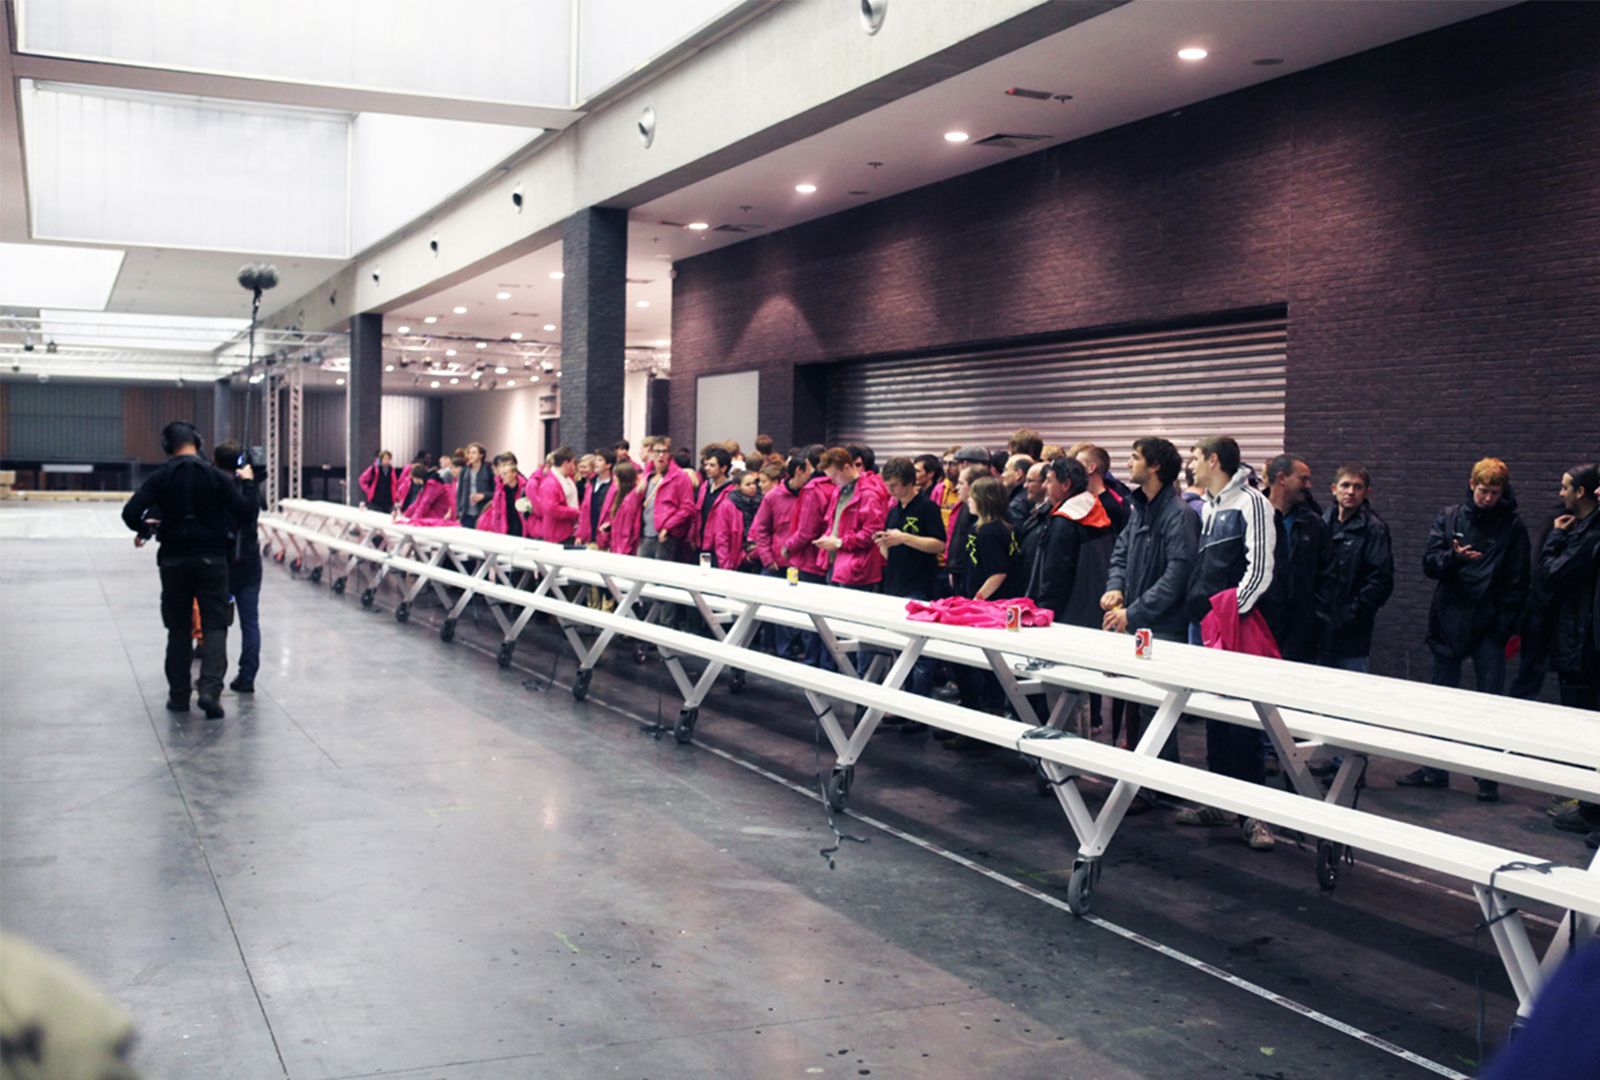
x=1179, y=384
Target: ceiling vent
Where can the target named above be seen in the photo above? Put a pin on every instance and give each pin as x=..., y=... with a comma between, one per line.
x=1006, y=141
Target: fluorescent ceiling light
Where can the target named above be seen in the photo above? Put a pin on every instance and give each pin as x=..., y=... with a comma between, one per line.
x=388, y=367
x=338, y=382
x=956, y=136
x=47, y=275
x=434, y=384
x=502, y=296
x=459, y=310
x=403, y=330
x=556, y=275
x=501, y=370
x=431, y=319
x=449, y=352
x=1193, y=52
x=805, y=189
x=510, y=383
x=549, y=326
x=699, y=226
x=516, y=335
x=483, y=344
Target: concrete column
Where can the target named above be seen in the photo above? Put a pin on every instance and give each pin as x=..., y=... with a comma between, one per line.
x=363, y=391
x=594, y=258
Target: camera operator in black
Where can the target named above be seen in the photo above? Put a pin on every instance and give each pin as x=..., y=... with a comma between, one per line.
x=244, y=571
x=187, y=505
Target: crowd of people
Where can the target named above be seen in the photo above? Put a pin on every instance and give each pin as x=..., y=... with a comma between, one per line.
x=1197, y=547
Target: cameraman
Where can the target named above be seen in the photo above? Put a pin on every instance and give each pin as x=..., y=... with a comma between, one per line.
x=187, y=505
x=244, y=571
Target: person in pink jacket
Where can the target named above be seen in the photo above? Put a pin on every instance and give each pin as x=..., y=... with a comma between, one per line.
x=775, y=519
x=859, y=512
x=533, y=491
x=597, y=498
x=619, y=530
x=559, y=498
x=505, y=511
x=669, y=509
x=435, y=502
x=723, y=535
x=379, y=483
x=813, y=517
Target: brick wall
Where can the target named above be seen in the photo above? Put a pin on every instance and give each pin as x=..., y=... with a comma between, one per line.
x=1429, y=212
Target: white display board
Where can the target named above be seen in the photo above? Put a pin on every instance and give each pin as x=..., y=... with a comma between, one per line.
x=727, y=407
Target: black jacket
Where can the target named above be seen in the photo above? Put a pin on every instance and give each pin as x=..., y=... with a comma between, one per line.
x=1569, y=566
x=194, y=501
x=1153, y=560
x=1017, y=506
x=1030, y=534
x=1295, y=615
x=1359, y=581
x=1483, y=597
x=486, y=482
x=244, y=544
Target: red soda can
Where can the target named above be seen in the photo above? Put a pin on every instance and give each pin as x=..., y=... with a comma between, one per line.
x=1013, y=617
x=1143, y=644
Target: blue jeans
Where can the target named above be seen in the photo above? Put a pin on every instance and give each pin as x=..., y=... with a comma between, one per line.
x=247, y=601
x=777, y=638
x=1362, y=664
x=1488, y=671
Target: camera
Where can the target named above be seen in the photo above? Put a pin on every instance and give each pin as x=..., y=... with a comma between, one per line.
x=254, y=456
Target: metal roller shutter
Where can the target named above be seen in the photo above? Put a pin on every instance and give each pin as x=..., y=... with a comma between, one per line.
x=1180, y=384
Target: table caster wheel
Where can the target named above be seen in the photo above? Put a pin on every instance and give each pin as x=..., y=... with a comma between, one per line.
x=504, y=657
x=736, y=683
x=1080, y=888
x=403, y=612
x=447, y=632
x=278, y=557
x=367, y=597
x=316, y=574
x=338, y=586
x=838, y=788
x=683, y=730
x=1327, y=865
x=294, y=566
x=641, y=653
x=580, y=684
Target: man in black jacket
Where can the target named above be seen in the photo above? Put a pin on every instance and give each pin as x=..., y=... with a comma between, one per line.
x=1478, y=553
x=244, y=571
x=474, y=486
x=1303, y=539
x=1360, y=576
x=187, y=505
x=1569, y=564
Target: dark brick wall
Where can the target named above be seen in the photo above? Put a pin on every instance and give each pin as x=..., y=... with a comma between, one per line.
x=1429, y=212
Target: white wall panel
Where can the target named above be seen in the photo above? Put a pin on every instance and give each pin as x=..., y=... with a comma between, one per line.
x=617, y=36
x=500, y=419
x=404, y=421
x=727, y=407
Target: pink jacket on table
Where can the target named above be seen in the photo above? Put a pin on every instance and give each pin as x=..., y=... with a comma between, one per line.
x=724, y=531
x=1222, y=628
x=858, y=560
x=560, y=517
x=813, y=516
x=989, y=614
x=368, y=482
x=533, y=491
x=435, y=506
x=676, y=514
x=772, y=524
x=626, y=522
x=493, y=518
x=586, y=511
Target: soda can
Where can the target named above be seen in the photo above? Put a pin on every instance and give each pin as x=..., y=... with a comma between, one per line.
x=1013, y=617
x=793, y=574
x=705, y=560
x=1144, y=644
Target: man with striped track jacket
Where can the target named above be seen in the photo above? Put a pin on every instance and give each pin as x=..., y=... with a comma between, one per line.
x=1238, y=545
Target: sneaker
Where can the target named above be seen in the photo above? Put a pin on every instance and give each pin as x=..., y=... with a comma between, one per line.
x=1573, y=820
x=212, y=708
x=1321, y=769
x=1424, y=777
x=1488, y=791
x=1258, y=835
x=1207, y=816
x=176, y=704
x=1141, y=804
x=1561, y=804
x=242, y=685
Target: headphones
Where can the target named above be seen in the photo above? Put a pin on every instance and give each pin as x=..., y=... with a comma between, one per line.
x=179, y=433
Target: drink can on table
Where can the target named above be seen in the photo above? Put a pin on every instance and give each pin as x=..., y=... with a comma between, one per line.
x=1143, y=644
x=705, y=560
x=1013, y=617
x=793, y=574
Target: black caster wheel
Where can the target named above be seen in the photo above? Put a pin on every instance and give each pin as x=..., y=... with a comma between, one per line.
x=641, y=653
x=316, y=574
x=838, y=789
x=1327, y=865
x=447, y=632
x=278, y=557
x=506, y=649
x=580, y=684
x=736, y=683
x=295, y=566
x=367, y=597
x=1080, y=889
x=683, y=730
x=338, y=586
x=403, y=612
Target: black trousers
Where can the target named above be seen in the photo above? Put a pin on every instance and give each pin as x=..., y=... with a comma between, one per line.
x=185, y=581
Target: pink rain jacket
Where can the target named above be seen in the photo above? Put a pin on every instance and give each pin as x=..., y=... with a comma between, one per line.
x=560, y=517
x=676, y=513
x=435, y=506
x=858, y=561
x=988, y=614
x=771, y=527
x=368, y=482
x=724, y=531
x=586, y=508
x=1223, y=629
x=812, y=517
x=626, y=522
x=493, y=518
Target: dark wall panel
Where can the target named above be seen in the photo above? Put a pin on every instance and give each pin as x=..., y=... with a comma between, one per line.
x=1427, y=213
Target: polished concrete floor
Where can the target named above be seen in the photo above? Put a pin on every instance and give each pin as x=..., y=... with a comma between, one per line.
x=398, y=859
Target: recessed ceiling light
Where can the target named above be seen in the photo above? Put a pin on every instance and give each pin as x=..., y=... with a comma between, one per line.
x=805, y=189
x=388, y=367
x=405, y=330
x=431, y=319
x=483, y=344
x=459, y=310
x=549, y=326
x=556, y=275
x=510, y=383
x=699, y=226
x=641, y=303
x=454, y=381
x=434, y=384
x=1193, y=52
x=516, y=335
x=956, y=136
x=449, y=352
x=338, y=382
x=501, y=370
x=502, y=296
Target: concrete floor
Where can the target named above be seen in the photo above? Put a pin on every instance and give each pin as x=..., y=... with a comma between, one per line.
x=397, y=859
